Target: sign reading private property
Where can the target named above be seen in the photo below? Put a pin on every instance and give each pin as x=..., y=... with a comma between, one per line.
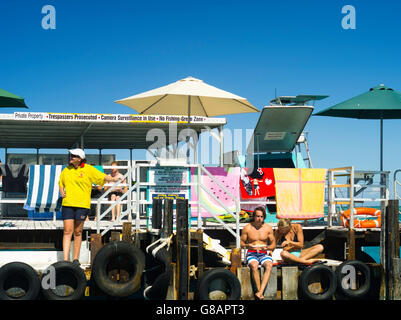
x=94, y=117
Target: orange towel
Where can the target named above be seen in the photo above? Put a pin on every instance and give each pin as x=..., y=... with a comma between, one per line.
x=300, y=193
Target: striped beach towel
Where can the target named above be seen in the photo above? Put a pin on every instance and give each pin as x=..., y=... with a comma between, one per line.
x=43, y=190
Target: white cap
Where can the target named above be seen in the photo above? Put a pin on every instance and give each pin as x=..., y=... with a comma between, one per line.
x=78, y=152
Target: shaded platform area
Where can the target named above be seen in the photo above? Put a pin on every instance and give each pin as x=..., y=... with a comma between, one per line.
x=29, y=234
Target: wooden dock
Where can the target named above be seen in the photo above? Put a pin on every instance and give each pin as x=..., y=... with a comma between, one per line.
x=37, y=232
x=22, y=224
x=340, y=244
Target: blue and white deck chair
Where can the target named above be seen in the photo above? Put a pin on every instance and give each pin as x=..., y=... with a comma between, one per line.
x=43, y=190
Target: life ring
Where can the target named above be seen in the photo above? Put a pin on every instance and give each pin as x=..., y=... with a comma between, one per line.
x=121, y=255
x=19, y=275
x=368, y=223
x=232, y=286
x=358, y=269
x=67, y=274
x=305, y=278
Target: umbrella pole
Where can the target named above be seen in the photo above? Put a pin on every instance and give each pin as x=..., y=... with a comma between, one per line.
x=189, y=121
x=381, y=144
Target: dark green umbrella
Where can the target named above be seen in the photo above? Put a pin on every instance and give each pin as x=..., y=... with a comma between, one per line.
x=379, y=102
x=10, y=100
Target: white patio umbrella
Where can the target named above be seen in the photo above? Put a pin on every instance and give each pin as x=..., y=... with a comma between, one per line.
x=189, y=96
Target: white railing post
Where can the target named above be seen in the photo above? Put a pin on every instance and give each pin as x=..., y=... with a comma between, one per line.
x=138, y=190
x=100, y=216
x=351, y=195
x=331, y=207
x=129, y=198
x=198, y=191
x=395, y=183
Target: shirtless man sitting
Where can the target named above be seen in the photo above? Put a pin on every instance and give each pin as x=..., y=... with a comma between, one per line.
x=258, y=238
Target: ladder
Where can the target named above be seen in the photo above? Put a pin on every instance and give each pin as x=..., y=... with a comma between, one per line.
x=333, y=173
x=303, y=140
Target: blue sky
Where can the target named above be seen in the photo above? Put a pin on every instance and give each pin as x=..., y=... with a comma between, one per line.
x=102, y=51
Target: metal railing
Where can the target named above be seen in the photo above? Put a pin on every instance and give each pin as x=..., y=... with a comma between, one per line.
x=395, y=184
x=332, y=200
x=134, y=199
x=353, y=179
x=235, y=215
x=113, y=204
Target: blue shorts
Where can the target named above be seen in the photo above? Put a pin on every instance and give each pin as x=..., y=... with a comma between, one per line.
x=74, y=213
x=260, y=256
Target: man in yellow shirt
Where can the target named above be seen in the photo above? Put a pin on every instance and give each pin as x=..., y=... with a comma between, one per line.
x=75, y=185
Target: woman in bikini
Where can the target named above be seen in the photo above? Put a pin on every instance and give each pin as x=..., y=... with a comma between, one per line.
x=290, y=238
x=117, y=192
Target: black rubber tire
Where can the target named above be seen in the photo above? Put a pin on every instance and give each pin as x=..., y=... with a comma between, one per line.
x=364, y=257
x=230, y=280
x=363, y=290
x=19, y=275
x=69, y=274
x=135, y=261
x=305, y=276
x=159, y=288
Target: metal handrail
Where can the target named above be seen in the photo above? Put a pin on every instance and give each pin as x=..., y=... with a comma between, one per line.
x=134, y=203
x=138, y=185
x=396, y=196
x=237, y=207
x=350, y=172
x=331, y=194
x=127, y=177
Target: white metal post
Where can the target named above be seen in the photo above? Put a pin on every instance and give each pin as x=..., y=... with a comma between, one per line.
x=221, y=146
x=351, y=196
x=198, y=190
x=98, y=217
x=138, y=189
x=129, y=196
x=330, y=194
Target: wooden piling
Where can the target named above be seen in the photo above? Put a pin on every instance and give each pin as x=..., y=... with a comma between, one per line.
x=271, y=288
x=235, y=260
x=172, y=288
x=351, y=244
x=127, y=232
x=289, y=276
x=156, y=219
x=197, y=239
x=115, y=236
x=391, y=248
x=244, y=277
x=137, y=239
x=95, y=245
x=395, y=279
x=183, y=246
x=126, y=236
x=113, y=273
x=248, y=286
x=167, y=226
x=156, y=214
